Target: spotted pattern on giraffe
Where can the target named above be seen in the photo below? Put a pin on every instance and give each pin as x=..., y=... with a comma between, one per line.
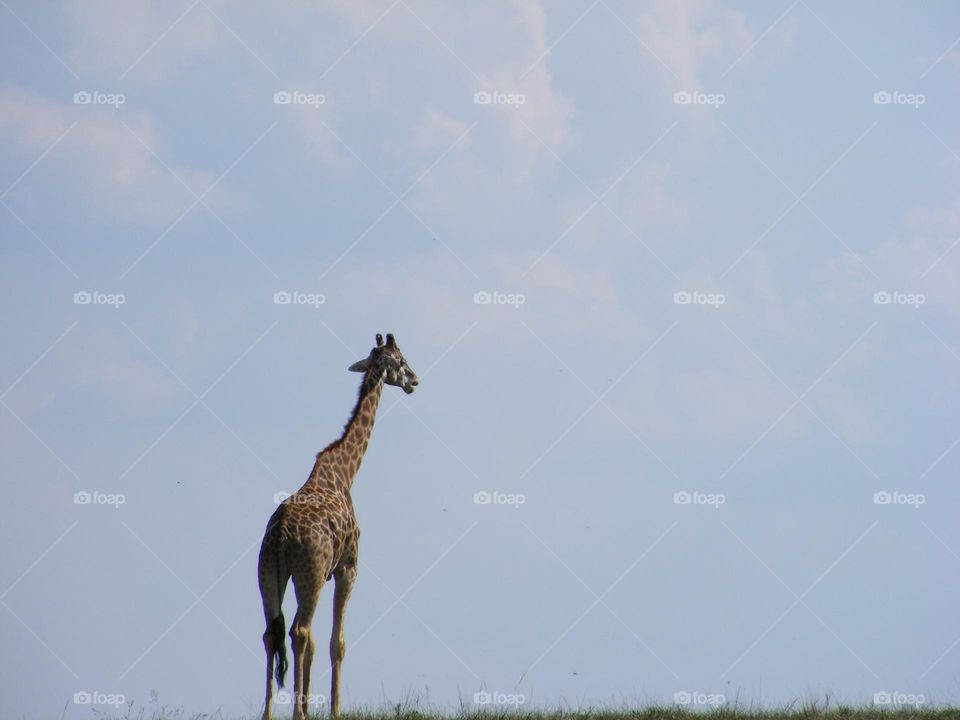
x=313, y=537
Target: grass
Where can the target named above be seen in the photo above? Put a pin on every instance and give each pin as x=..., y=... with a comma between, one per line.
x=796, y=711
x=650, y=713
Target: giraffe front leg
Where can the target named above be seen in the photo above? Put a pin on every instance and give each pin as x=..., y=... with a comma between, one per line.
x=336, y=657
x=307, y=663
x=338, y=645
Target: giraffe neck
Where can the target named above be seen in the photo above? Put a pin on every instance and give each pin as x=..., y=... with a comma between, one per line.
x=340, y=461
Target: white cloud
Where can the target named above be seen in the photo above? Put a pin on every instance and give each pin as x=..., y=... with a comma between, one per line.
x=336, y=49
x=922, y=257
x=360, y=16
x=555, y=275
x=437, y=131
x=104, y=362
x=498, y=50
x=131, y=386
x=110, y=36
x=101, y=157
x=315, y=128
x=691, y=36
x=929, y=63
x=729, y=403
x=514, y=61
x=571, y=299
x=644, y=201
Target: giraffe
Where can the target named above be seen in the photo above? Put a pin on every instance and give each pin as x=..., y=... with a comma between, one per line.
x=313, y=536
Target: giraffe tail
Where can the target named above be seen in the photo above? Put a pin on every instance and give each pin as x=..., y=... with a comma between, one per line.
x=271, y=558
x=278, y=633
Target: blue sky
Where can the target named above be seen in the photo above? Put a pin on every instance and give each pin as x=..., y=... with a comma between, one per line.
x=712, y=397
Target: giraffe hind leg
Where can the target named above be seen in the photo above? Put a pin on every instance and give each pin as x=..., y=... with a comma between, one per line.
x=273, y=583
x=307, y=664
x=300, y=635
x=269, y=644
x=345, y=578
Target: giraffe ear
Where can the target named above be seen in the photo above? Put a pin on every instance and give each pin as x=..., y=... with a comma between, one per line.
x=359, y=366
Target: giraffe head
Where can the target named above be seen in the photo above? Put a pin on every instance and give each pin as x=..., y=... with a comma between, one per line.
x=387, y=359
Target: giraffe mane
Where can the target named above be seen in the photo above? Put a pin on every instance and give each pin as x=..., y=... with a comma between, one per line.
x=366, y=384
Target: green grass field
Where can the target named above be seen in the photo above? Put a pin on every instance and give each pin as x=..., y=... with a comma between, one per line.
x=817, y=711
